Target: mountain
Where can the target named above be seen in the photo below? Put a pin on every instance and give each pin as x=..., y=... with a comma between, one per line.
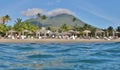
x=56, y=21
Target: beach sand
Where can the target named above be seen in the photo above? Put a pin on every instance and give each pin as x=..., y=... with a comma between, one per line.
x=55, y=40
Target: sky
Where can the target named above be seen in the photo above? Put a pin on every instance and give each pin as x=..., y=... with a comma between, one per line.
x=99, y=13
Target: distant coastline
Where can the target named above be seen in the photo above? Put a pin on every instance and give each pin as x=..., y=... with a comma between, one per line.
x=55, y=40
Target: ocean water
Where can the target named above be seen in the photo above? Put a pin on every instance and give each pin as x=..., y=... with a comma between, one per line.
x=60, y=56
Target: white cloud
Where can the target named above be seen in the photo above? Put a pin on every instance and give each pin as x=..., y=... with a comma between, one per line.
x=35, y=11
x=32, y=12
x=59, y=11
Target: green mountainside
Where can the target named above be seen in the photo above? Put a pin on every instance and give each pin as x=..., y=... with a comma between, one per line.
x=57, y=21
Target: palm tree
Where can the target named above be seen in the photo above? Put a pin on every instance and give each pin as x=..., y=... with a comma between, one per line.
x=38, y=15
x=74, y=19
x=87, y=27
x=77, y=28
x=33, y=28
x=48, y=28
x=21, y=26
x=110, y=30
x=44, y=17
x=118, y=29
x=3, y=29
x=18, y=26
x=64, y=27
x=5, y=19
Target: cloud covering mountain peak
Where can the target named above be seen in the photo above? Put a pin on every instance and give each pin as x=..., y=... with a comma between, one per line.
x=54, y=12
x=59, y=11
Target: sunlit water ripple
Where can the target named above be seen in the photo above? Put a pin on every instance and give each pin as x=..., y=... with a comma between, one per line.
x=60, y=56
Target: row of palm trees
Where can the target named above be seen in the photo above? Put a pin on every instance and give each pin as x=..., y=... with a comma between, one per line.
x=20, y=26
x=107, y=32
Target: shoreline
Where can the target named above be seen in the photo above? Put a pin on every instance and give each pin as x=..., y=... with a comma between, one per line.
x=56, y=40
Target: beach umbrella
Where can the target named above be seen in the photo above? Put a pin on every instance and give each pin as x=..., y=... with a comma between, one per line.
x=12, y=31
x=43, y=31
x=73, y=32
x=115, y=32
x=99, y=31
x=49, y=32
x=65, y=33
x=87, y=32
x=25, y=31
x=38, y=33
x=43, y=28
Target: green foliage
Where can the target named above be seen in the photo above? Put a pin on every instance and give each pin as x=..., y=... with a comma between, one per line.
x=64, y=27
x=118, y=29
x=56, y=21
x=3, y=28
x=77, y=28
x=38, y=15
x=44, y=17
x=110, y=30
x=33, y=28
x=87, y=27
x=20, y=26
x=5, y=19
x=48, y=28
x=74, y=19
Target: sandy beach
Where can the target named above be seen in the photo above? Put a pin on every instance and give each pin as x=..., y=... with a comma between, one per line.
x=55, y=40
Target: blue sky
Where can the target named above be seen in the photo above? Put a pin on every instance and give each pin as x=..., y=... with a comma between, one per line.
x=99, y=13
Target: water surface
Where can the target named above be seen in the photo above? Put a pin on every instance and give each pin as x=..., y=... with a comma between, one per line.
x=60, y=56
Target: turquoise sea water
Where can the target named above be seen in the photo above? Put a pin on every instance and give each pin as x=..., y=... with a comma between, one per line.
x=60, y=56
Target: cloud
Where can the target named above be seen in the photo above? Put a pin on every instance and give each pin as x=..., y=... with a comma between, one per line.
x=35, y=11
x=32, y=12
x=59, y=11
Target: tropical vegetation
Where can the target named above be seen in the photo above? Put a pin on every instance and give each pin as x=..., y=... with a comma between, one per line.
x=20, y=26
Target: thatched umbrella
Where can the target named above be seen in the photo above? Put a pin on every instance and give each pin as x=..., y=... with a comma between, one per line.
x=87, y=32
x=65, y=33
x=12, y=31
x=41, y=31
x=38, y=33
x=25, y=31
x=73, y=32
x=49, y=32
x=98, y=31
x=115, y=32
